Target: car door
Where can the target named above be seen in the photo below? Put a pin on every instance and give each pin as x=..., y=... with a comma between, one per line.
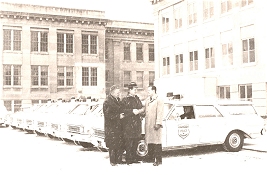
x=212, y=124
x=180, y=132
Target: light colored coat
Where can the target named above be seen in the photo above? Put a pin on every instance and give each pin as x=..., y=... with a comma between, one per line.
x=154, y=115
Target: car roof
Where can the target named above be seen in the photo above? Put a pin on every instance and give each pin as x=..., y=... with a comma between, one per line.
x=190, y=102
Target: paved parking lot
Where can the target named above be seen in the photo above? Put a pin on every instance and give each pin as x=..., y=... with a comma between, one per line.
x=23, y=153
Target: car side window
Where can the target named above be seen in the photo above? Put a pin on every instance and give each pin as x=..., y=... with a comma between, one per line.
x=178, y=110
x=207, y=111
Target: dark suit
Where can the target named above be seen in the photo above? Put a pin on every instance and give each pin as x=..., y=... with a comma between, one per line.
x=113, y=128
x=132, y=126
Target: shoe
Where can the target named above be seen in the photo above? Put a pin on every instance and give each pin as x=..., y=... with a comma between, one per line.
x=113, y=164
x=157, y=163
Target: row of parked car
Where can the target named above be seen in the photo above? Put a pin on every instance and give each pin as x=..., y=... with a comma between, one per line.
x=215, y=122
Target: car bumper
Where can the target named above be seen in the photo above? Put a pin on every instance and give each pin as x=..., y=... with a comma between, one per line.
x=83, y=138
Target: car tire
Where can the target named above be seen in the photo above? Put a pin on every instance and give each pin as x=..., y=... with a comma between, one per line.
x=14, y=127
x=29, y=131
x=39, y=133
x=7, y=125
x=142, y=148
x=50, y=136
x=86, y=144
x=67, y=140
x=234, y=141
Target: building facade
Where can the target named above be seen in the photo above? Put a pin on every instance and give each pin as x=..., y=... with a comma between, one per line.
x=129, y=55
x=52, y=52
x=211, y=49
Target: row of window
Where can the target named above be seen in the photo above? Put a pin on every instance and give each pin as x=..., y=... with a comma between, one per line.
x=39, y=76
x=208, y=12
x=39, y=42
x=248, y=54
x=127, y=78
x=245, y=92
x=139, y=52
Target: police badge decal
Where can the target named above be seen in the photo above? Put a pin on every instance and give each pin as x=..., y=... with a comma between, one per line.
x=183, y=130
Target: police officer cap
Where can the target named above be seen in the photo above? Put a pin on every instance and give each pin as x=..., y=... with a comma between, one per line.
x=112, y=88
x=131, y=85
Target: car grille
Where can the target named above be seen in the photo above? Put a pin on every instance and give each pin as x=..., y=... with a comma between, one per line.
x=29, y=122
x=54, y=126
x=19, y=121
x=99, y=133
x=41, y=124
x=75, y=129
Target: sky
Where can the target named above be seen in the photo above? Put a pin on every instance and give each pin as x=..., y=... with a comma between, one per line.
x=125, y=10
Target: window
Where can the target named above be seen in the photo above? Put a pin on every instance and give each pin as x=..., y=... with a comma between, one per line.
x=224, y=92
x=8, y=105
x=227, y=54
x=151, y=52
x=193, y=60
x=127, y=52
x=208, y=7
x=39, y=41
x=207, y=111
x=192, y=13
x=12, y=40
x=179, y=61
x=65, y=76
x=178, y=18
x=39, y=75
x=89, y=76
x=245, y=92
x=126, y=78
x=226, y=6
x=248, y=50
x=17, y=105
x=106, y=51
x=151, y=77
x=89, y=44
x=139, y=52
x=246, y=2
x=65, y=42
x=209, y=57
x=12, y=105
x=107, y=76
x=12, y=75
x=140, y=79
x=166, y=65
x=165, y=24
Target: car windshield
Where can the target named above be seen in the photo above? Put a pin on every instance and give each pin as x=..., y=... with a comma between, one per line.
x=81, y=109
x=238, y=109
x=166, y=108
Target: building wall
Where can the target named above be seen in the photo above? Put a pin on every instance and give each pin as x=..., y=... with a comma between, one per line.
x=54, y=20
x=233, y=26
x=117, y=34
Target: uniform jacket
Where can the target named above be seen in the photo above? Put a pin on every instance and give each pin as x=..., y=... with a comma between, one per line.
x=131, y=122
x=113, y=125
x=154, y=115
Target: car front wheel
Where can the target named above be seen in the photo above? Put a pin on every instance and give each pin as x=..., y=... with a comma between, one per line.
x=234, y=141
x=142, y=148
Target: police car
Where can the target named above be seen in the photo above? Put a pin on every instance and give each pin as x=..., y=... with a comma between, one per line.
x=191, y=123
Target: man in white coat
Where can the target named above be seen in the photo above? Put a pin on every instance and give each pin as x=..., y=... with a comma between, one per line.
x=153, y=126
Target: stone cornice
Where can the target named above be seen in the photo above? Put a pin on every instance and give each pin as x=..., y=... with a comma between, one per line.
x=128, y=31
x=52, y=18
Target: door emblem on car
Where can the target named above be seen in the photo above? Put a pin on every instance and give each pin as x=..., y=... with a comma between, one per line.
x=183, y=130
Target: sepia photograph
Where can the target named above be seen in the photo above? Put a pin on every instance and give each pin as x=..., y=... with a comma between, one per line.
x=133, y=87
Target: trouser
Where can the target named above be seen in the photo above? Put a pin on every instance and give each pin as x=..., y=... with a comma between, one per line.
x=154, y=153
x=131, y=147
x=115, y=156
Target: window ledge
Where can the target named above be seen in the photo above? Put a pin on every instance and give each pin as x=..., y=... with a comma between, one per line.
x=12, y=87
x=65, y=87
x=40, y=53
x=88, y=54
x=39, y=87
x=13, y=51
x=61, y=53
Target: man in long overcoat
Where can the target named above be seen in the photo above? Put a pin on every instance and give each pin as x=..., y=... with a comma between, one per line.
x=131, y=123
x=113, y=125
x=153, y=126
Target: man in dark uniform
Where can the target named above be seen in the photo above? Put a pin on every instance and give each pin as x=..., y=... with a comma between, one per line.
x=132, y=126
x=113, y=126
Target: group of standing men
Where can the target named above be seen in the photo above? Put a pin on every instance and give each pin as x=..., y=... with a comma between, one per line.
x=123, y=125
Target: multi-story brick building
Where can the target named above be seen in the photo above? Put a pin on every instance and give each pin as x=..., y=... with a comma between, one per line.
x=129, y=55
x=212, y=48
x=53, y=52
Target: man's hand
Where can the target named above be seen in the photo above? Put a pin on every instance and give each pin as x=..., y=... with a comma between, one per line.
x=135, y=111
x=122, y=115
x=157, y=126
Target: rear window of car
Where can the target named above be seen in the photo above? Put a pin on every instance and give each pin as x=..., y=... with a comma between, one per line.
x=238, y=109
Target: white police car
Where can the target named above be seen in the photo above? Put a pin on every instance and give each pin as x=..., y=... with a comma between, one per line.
x=221, y=122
